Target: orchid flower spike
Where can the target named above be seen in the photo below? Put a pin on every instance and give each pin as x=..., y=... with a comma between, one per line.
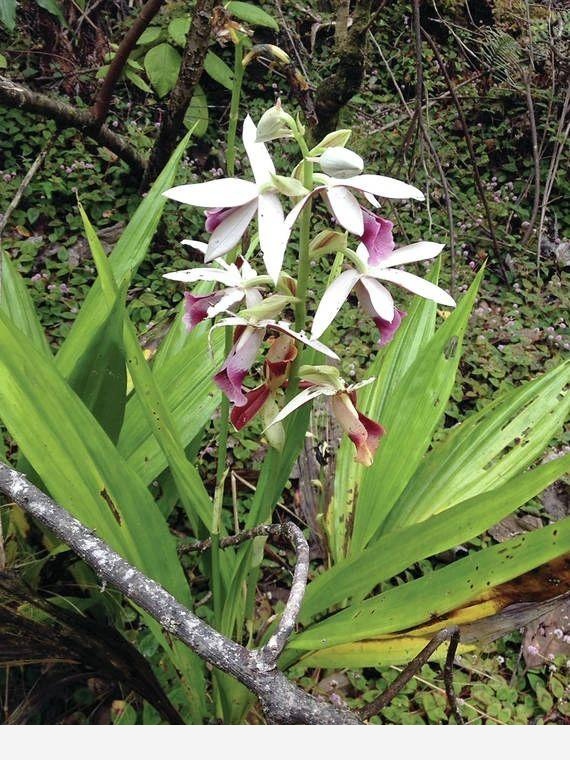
x=326, y=381
x=240, y=284
x=233, y=203
x=373, y=296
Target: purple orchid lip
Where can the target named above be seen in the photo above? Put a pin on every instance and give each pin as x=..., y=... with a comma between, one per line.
x=196, y=307
x=255, y=399
x=388, y=329
x=238, y=363
x=215, y=216
x=377, y=237
x=364, y=433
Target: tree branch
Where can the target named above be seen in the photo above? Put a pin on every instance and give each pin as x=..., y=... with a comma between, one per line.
x=65, y=115
x=190, y=73
x=282, y=701
x=100, y=107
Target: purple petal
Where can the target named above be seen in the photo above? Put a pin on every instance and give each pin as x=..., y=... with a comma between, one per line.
x=238, y=363
x=196, y=307
x=377, y=237
x=389, y=329
x=216, y=216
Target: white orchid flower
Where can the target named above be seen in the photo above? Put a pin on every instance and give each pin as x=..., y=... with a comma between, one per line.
x=371, y=292
x=344, y=180
x=234, y=202
x=326, y=381
x=240, y=284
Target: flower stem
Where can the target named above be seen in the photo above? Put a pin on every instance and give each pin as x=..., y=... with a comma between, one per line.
x=304, y=260
x=234, y=110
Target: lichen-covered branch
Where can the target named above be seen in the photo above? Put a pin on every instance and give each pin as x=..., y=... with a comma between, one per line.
x=281, y=700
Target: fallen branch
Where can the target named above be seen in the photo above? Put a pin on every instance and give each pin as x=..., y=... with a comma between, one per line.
x=65, y=115
x=281, y=700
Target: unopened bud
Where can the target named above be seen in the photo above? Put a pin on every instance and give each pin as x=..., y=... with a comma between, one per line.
x=328, y=241
x=336, y=139
x=274, y=124
x=341, y=163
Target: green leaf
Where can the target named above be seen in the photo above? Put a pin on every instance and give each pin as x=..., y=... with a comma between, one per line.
x=410, y=416
x=138, y=81
x=487, y=449
x=219, y=70
x=162, y=64
x=178, y=30
x=439, y=592
x=125, y=259
x=53, y=7
x=252, y=14
x=197, y=113
x=150, y=36
x=17, y=304
x=3, y=62
x=394, y=552
x=388, y=367
x=8, y=14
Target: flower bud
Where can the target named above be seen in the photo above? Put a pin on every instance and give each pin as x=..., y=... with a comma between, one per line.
x=336, y=139
x=341, y=163
x=274, y=124
x=328, y=241
x=269, y=308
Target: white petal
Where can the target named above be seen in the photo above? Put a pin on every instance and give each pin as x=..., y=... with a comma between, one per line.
x=202, y=275
x=408, y=253
x=228, y=234
x=291, y=217
x=303, y=338
x=199, y=246
x=259, y=158
x=273, y=235
x=231, y=297
x=247, y=272
x=307, y=394
x=346, y=209
x=380, y=298
x=385, y=187
x=334, y=297
x=371, y=200
x=417, y=285
x=217, y=193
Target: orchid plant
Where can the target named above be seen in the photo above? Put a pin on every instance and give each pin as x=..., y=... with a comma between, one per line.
x=353, y=198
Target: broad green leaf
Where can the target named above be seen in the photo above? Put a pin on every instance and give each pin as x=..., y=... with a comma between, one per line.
x=193, y=495
x=410, y=416
x=252, y=14
x=162, y=64
x=197, y=111
x=185, y=379
x=219, y=70
x=394, y=552
x=128, y=253
x=487, y=449
x=138, y=81
x=439, y=592
x=8, y=14
x=53, y=7
x=150, y=36
x=388, y=367
x=178, y=30
x=84, y=472
x=16, y=303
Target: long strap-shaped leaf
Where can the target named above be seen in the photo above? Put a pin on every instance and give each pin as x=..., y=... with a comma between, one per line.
x=437, y=593
x=487, y=449
x=410, y=418
x=394, y=552
x=194, y=496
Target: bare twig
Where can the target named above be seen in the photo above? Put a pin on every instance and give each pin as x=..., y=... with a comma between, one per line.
x=535, y=156
x=450, y=634
x=24, y=184
x=281, y=700
x=100, y=107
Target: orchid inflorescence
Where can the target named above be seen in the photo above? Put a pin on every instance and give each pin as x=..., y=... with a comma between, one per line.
x=230, y=205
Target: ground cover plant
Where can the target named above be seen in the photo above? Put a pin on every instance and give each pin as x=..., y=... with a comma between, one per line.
x=400, y=504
